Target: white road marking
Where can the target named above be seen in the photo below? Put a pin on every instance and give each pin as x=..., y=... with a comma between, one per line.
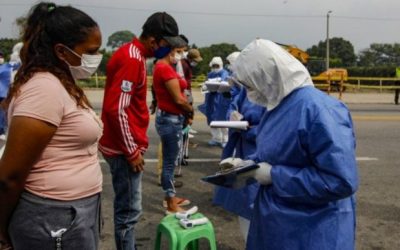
x=218, y=160
x=366, y=159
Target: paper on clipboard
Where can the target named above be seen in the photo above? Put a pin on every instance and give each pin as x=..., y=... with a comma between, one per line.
x=229, y=178
x=224, y=87
x=230, y=124
x=216, y=84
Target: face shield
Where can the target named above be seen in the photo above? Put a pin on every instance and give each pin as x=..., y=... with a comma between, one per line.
x=269, y=73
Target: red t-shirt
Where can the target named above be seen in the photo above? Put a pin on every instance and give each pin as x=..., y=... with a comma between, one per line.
x=162, y=73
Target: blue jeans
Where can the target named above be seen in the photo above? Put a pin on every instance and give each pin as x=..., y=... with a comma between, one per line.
x=169, y=128
x=127, y=201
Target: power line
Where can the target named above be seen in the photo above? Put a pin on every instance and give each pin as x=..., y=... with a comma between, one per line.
x=225, y=14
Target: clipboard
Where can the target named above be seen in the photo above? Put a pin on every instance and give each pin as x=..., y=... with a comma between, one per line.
x=228, y=177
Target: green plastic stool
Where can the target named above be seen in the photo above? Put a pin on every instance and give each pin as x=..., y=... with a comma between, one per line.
x=180, y=238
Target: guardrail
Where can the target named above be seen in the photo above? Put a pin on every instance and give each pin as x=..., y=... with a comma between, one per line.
x=355, y=83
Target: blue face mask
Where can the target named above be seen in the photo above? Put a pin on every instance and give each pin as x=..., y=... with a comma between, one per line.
x=161, y=52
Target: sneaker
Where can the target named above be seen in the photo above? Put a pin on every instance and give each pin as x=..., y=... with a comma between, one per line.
x=192, y=131
x=181, y=202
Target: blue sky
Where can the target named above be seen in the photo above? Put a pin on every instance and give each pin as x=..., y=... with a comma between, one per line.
x=206, y=22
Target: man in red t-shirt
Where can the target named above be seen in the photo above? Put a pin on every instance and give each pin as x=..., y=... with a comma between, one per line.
x=126, y=119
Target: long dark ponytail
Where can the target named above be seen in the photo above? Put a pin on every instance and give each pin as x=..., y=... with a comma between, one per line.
x=48, y=24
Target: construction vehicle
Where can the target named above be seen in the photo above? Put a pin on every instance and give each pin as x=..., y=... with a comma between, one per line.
x=327, y=80
x=300, y=55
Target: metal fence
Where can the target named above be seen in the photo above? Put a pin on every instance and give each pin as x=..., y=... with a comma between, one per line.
x=353, y=83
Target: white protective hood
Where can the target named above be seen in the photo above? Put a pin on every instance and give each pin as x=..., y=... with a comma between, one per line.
x=216, y=60
x=271, y=71
x=14, y=57
x=231, y=58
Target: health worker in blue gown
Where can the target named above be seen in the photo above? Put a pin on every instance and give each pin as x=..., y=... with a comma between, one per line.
x=216, y=104
x=306, y=152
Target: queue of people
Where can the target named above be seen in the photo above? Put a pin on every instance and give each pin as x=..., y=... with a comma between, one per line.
x=302, y=140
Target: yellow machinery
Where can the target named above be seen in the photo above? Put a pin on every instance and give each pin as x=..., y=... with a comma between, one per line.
x=325, y=80
x=301, y=55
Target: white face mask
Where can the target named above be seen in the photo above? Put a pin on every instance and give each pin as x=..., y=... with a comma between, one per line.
x=256, y=97
x=89, y=65
x=178, y=57
x=216, y=70
x=1, y=60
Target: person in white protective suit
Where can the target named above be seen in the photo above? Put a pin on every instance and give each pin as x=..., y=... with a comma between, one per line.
x=305, y=150
x=216, y=104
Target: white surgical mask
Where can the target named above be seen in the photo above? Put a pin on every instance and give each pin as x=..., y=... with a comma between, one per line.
x=256, y=97
x=178, y=57
x=193, y=64
x=216, y=70
x=89, y=65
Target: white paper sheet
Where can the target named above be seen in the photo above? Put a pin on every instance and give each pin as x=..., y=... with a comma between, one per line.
x=230, y=124
x=215, y=84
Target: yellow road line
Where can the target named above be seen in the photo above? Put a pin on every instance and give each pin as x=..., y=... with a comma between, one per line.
x=376, y=117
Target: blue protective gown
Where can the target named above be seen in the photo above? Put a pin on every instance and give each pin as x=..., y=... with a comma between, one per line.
x=5, y=80
x=241, y=144
x=215, y=104
x=309, y=141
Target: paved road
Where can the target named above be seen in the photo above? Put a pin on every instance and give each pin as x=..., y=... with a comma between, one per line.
x=378, y=211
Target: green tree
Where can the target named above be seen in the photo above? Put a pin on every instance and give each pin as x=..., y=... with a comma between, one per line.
x=6, y=45
x=341, y=52
x=379, y=54
x=118, y=38
x=102, y=67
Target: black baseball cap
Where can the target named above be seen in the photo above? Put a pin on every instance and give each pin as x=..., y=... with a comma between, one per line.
x=162, y=25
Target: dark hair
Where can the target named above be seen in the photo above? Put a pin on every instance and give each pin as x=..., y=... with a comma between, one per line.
x=47, y=25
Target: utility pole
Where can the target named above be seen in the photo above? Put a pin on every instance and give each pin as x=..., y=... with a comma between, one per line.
x=327, y=40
